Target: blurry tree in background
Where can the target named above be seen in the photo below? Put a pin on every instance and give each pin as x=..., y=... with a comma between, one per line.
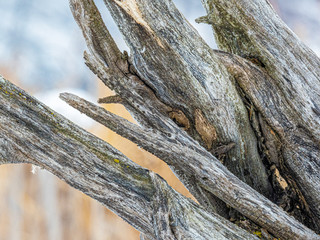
x=94, y=223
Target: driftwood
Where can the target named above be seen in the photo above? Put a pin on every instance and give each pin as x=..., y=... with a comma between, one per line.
x=239, y=127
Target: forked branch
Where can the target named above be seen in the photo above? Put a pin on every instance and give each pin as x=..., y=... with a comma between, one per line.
x=30, y=132
x=203, y=167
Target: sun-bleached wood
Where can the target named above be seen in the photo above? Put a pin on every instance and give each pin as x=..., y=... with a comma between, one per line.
x=289, y=97
x=248, y=107
x=203, y=167
x=30, y=132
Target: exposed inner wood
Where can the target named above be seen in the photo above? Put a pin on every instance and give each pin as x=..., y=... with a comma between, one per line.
x=206, y=130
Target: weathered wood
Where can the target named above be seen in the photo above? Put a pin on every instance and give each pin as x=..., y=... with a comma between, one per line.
x=195, y=161
x=288, y=97
x=138, y=97
x=184, y=73
x=30, y=132
x=182, y=78
x=248, y=165
x=255, y=108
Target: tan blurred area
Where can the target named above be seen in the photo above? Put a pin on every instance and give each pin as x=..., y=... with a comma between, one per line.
x=41, y=207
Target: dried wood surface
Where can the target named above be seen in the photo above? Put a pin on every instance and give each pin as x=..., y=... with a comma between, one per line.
x=253, y=107
x=30, y=132
x=289, y=98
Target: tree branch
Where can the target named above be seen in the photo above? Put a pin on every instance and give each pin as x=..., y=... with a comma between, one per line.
x=196, y=162
x=111, y=99
x=187, y=81
x=185, y=73
x=288, y=97
x=182, y=89
x=139, y=98
x=219, y=100
x=30, y=132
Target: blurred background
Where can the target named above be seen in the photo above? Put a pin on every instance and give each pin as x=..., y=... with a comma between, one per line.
x=41, y=51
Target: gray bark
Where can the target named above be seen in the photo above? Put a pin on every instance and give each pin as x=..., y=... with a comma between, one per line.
x=253, y=107
x=288, y=97
x=30, y=132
